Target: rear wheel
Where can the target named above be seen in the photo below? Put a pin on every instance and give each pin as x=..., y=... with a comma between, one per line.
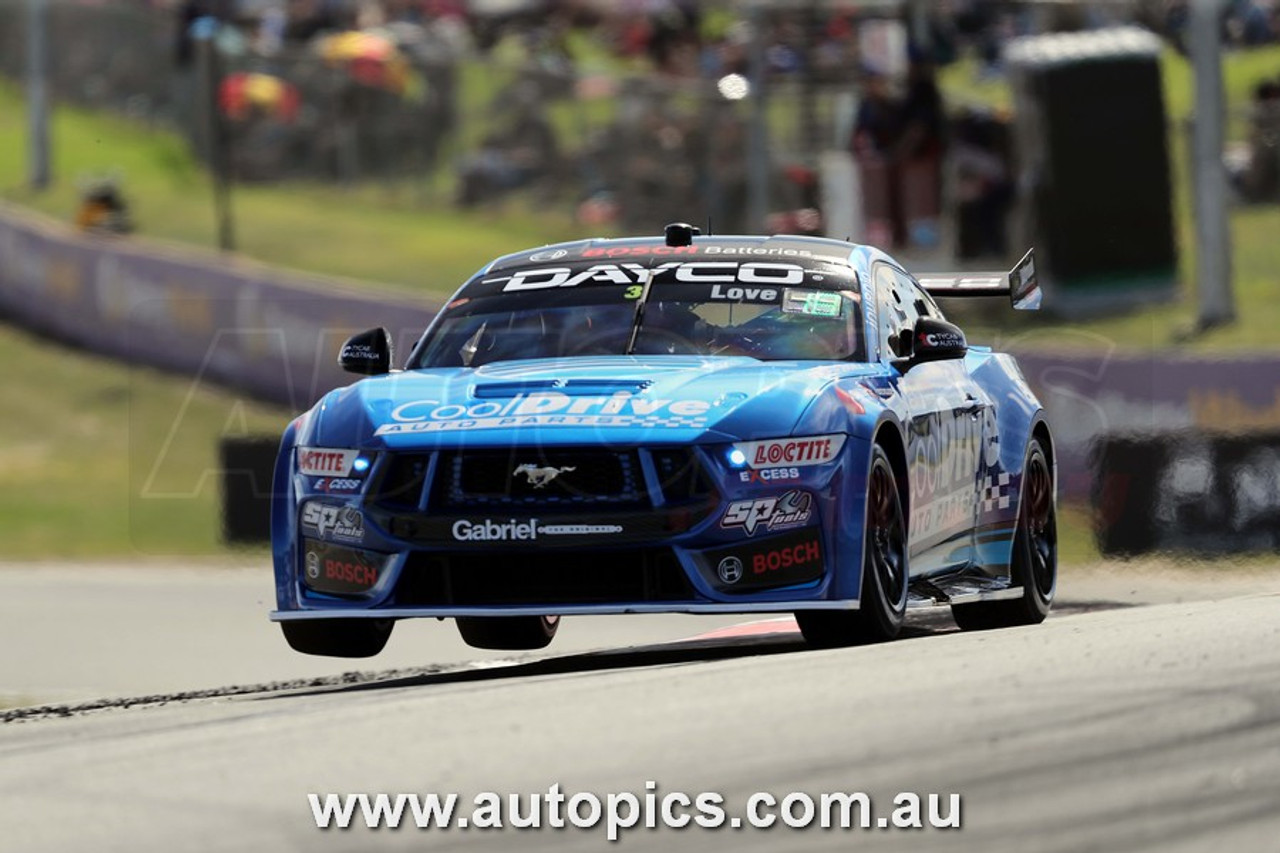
x=1033, y=564
x=512, y=633
x=884, y=571
x=338, y=638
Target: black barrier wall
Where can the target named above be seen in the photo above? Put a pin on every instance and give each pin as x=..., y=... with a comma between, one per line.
x=1187, y=492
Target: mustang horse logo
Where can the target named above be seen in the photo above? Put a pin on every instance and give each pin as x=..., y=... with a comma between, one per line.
x=539, y=477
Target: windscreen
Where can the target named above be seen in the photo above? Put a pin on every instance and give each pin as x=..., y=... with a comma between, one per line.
x=769, y=310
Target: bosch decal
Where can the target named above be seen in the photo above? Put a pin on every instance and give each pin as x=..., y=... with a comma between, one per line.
x=806, y=553
x=337, y=523
x=332, y=569
x=549, y=408
x=512, y=530
x=793, y=509
x=818, y=450
x=729, y=570
x=777, y=561
x=316, y=462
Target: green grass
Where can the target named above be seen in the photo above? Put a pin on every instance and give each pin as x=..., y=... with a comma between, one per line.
x=370, y=233
x=105, y=460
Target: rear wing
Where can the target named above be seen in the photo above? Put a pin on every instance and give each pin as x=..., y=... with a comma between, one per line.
x=1019, y=284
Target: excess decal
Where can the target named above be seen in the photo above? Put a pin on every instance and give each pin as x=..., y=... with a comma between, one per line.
x=815, y=450
x=549, y=408
x=337, y=485
x=792, y=509
x=769, y=475
x=336, y=523
x=513, y=530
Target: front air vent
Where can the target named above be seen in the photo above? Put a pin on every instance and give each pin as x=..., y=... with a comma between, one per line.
x=400, y=484
x=535, y=577
x=680, y=474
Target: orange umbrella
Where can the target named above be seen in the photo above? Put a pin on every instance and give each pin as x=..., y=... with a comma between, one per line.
x=243, y=92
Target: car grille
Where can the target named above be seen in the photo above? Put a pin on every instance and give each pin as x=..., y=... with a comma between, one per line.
x=532, y=577
x=542, y=480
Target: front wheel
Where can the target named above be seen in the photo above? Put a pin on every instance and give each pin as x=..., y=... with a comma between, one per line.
x=510, y=633
x=884, y=570
x=1033, y=565
x=338, y=638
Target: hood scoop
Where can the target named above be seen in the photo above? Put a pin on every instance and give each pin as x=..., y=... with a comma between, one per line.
x=570, y=387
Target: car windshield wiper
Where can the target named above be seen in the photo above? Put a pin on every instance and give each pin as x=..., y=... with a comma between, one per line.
x=638, y=317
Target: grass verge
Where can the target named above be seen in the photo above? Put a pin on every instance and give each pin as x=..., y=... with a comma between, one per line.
x=104, y=460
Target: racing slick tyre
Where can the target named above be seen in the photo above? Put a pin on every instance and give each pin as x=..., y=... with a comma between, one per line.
x=511, y=633
x=884, y=571
x=1033, y=564
x=338, y=638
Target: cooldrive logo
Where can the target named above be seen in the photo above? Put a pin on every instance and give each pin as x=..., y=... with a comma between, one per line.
x=546, y=408
x=513, y=530
x=315, y=462
x=338, y=523
x=816, y=450
x=683, y=272
x=792, y=509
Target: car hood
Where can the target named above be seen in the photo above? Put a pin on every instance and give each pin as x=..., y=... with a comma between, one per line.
x=612, y=399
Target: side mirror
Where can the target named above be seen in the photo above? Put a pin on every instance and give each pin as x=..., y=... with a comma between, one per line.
x=931, y=340
x=368, y=353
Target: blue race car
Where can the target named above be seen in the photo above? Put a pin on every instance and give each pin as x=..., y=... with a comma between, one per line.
x=683, y=424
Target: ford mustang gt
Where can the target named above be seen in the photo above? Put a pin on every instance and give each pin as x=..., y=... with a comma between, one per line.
x=674, y=424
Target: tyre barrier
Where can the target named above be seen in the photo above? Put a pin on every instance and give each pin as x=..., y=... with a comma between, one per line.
x=1187, y=492
x=247, y=463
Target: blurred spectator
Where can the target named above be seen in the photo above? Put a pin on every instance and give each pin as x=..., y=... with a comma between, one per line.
x=981, y=157
x=513, y=156
x=1256, y=175
x=877, y=129
x=103, y=208
x=919, y=152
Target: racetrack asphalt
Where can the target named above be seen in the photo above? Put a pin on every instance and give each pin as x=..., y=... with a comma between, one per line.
x=1143, y=715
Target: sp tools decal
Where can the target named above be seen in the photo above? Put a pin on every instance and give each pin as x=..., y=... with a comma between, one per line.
x=319, y=462
x=815, y=450
x=793, y=509
x=336, y=523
